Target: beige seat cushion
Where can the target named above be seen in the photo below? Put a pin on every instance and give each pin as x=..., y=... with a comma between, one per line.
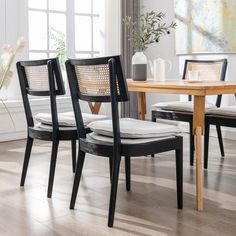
x=107, y=139
x=180, y=106
x=67, y=118
x=45, y=127
x=223, y=111
x=132, y=128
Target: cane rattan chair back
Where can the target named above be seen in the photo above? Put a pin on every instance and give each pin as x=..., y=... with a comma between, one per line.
x=93, y=79
x=35, y=77
x=208, y=70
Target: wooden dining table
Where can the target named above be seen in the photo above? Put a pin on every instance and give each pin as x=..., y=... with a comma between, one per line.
x=197, y=89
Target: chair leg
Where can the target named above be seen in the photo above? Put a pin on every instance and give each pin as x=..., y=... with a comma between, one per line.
x=110, y=168
x=127, y=173
x=78, y=172
x=73, y=152
x=55, y=144
x=114, y=185
x=206, y=144
x=153, y=120
x=28, y=149
x=219, y=134
x=191, y=144
x=179, y=177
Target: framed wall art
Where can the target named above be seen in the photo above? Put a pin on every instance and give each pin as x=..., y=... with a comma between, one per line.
x=205, y=26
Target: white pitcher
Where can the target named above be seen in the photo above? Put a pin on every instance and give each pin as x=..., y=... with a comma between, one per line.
x=158, y=68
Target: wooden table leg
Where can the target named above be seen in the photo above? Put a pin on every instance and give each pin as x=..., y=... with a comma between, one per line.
x=95, y=108
x=142, y=105
x=198, y=131
x=198, y=143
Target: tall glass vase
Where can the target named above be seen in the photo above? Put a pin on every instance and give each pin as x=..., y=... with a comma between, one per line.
x=139, y=67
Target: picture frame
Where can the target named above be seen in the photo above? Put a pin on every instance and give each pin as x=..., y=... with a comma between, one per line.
x=205, y=26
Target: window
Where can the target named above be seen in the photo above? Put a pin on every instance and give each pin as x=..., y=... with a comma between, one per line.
x=34, y=19
x=89, y=28
x=58, y=27
x=47, y=25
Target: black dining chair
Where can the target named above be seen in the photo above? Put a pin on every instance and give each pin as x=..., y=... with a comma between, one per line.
x=101, y=80
x=208, y=70
x=222, y=116
x=43, y=78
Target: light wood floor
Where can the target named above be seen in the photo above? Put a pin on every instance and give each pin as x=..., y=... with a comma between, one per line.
x=149, y=209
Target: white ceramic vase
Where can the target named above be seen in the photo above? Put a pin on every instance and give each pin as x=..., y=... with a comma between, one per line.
x=139, y=66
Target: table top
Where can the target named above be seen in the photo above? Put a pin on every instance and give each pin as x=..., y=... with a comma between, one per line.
x=201, y=88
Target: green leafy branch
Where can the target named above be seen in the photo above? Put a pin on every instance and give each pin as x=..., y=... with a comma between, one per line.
x=149, y=29
x=58, y=38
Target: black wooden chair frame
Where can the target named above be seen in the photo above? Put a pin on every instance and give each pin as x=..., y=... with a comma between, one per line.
x=116, y=149
x=217, y=120
x=54, y=135
x=185, y=116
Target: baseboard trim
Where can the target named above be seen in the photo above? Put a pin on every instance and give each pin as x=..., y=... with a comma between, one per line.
x=10, y=136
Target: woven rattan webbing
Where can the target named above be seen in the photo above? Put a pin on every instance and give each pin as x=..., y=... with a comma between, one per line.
x=207, y=71
x=37, y=77
x=93, y=80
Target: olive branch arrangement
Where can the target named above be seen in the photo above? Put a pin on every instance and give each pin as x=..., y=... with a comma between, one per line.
x=148, y=30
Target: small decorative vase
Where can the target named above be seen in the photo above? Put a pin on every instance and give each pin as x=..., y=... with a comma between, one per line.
x=139, y=67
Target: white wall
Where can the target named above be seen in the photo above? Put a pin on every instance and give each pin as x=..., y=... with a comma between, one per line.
x=166, y=50
x=2, y=21
x=12, y=27
x=112, y=27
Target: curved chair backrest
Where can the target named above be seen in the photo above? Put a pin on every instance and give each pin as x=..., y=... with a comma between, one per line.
x=34, y=76
x=96, y=80
x=209, y=70
x=91, y=79
x=40, y=78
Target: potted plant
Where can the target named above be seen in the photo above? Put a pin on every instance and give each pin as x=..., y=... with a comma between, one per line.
x=149, y=29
